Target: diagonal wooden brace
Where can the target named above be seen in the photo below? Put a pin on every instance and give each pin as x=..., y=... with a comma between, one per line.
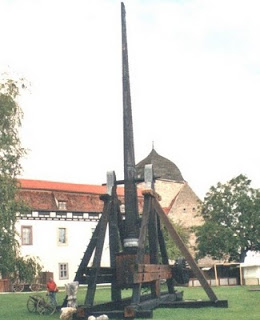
x=187, y=255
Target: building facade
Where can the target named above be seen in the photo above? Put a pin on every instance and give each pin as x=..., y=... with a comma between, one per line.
x=60, y=224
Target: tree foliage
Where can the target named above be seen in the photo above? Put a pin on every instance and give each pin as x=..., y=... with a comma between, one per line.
x=27, y=269
x=11, y=153
x=232, y=220
x=172, y=249
x=10, y=121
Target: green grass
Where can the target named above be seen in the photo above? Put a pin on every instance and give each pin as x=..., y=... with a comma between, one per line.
x=243, y=304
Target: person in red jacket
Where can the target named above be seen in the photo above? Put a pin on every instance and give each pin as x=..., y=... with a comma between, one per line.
x=52, y=289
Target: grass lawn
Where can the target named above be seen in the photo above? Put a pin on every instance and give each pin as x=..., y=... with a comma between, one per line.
x=243, y=304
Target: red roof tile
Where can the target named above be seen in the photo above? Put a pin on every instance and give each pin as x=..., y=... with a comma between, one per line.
x=63, y=186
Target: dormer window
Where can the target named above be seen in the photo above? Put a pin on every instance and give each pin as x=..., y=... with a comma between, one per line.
x=62, y=205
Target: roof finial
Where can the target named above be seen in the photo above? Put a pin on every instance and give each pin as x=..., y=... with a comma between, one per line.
x=152, y=145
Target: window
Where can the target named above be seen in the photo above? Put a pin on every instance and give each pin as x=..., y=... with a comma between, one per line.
x=62, y=236
x=26, y=235
x=62, y=205
x=63, y=271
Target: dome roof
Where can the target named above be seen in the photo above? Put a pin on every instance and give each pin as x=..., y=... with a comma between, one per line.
x=162, y=167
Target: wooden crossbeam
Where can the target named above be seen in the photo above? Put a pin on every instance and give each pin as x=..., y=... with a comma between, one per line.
x=143, y=277
x=153, y=268
x=151, y=272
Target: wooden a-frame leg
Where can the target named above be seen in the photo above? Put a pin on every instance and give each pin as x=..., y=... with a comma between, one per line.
x=174, y=235
x=114, y=245
x=153, y=249
x=141, y=246
x=86, y=258
x=164, y=254
x=89, y=299
x=88, y=253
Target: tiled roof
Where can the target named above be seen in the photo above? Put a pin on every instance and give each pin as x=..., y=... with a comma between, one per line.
x=64, y=186
x=45, y=195
x=42, y=200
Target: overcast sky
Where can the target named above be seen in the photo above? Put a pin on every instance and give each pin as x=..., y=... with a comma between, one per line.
x=194, y=72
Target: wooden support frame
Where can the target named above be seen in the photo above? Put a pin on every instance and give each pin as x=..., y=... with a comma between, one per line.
x=133, y=270
x=141, y=271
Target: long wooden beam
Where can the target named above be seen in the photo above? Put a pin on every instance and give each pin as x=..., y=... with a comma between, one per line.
x=131, y=206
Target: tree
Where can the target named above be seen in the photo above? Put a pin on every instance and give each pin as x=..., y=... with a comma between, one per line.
x=232, y=220
x=11, y=152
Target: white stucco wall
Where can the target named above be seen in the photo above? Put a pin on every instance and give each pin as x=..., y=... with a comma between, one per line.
x=251, y=271
x=51, y=253
x=251, y=267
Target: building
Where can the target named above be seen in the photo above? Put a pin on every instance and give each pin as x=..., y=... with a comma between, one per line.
x=60, y=224
x=251, y=268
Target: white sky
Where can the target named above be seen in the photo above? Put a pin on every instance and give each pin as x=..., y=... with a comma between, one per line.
x=194, y=72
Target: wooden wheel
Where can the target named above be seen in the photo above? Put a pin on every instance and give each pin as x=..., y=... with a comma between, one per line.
x=32, y=304
x=45, y=308
x=35, y=287
x=40, y=306
x=18, y=287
